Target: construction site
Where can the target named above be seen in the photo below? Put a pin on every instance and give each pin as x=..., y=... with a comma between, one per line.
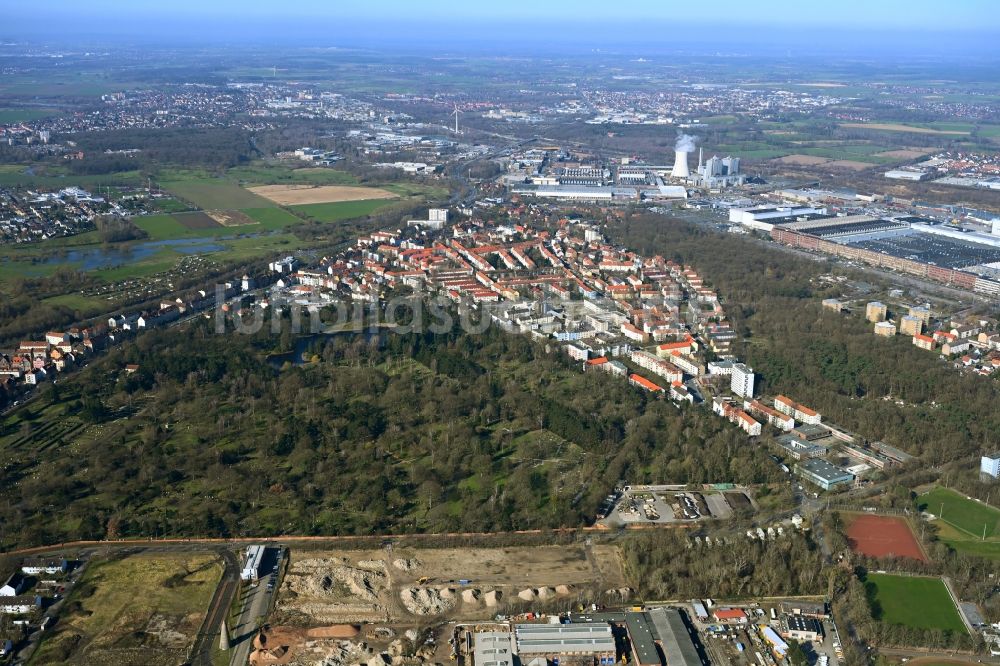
x=383, y=606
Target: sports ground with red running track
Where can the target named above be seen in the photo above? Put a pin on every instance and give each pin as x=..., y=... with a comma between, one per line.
x=882, y=536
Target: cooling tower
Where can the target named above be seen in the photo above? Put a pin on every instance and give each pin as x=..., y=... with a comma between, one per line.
x=680, y=169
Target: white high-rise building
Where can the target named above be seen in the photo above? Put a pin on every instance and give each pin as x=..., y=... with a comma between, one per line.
x=990, y=464
x=742, y=382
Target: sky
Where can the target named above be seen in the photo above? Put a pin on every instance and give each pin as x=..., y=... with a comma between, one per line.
x=440, y=22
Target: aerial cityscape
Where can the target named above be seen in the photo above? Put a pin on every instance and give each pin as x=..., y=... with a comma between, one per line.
x=518, y=335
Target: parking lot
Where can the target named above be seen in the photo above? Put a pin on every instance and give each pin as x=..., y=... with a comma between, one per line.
x=665, y=504
x=937, y=250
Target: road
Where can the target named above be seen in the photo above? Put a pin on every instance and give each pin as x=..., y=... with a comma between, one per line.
x=256, y=604
x=256, y=601
x=201, y=652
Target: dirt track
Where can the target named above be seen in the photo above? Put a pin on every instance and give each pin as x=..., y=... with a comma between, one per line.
x=294, y=195
x=883, y=536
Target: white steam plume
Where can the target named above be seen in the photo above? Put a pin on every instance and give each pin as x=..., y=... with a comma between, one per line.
x=685, y=143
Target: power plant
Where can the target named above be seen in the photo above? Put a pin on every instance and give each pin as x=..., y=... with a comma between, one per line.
x=682, y=148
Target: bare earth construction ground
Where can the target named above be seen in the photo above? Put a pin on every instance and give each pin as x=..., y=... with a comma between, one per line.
x=330, y=587
x=293, y=195
x=230, y=218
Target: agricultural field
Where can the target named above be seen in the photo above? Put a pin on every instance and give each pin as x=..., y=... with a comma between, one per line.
x=904, y=153
x=344, y=210
x=265, y=174
x=952, y=129
x=291, y=195
x=801, y=160
x=214, y=194
x=852, y=165
x=273, y=218
x=912, y=601
x=882, y=536
x=974, y=519
x=142, y=609
x=9, y=115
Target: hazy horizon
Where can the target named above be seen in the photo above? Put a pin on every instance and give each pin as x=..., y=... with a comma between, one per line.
x=967, y=29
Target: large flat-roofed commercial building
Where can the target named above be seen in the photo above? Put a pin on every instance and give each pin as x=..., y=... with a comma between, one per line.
x=552, y=642
x=824, y=474
x=493, y=648
x=906, y=174
x=765, y=217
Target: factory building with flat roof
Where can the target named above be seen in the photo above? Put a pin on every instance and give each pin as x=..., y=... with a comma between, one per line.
x=539, y=644
x=824, y=474
x=658, y=637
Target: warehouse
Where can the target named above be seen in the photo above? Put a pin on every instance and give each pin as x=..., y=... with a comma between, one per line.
x=674, y=637
x=640, y=634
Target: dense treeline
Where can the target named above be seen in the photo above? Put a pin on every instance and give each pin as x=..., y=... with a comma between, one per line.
x=667, y=566
x=883, y=389
x=186, y=146
x=449, y=432
x=118, y=230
